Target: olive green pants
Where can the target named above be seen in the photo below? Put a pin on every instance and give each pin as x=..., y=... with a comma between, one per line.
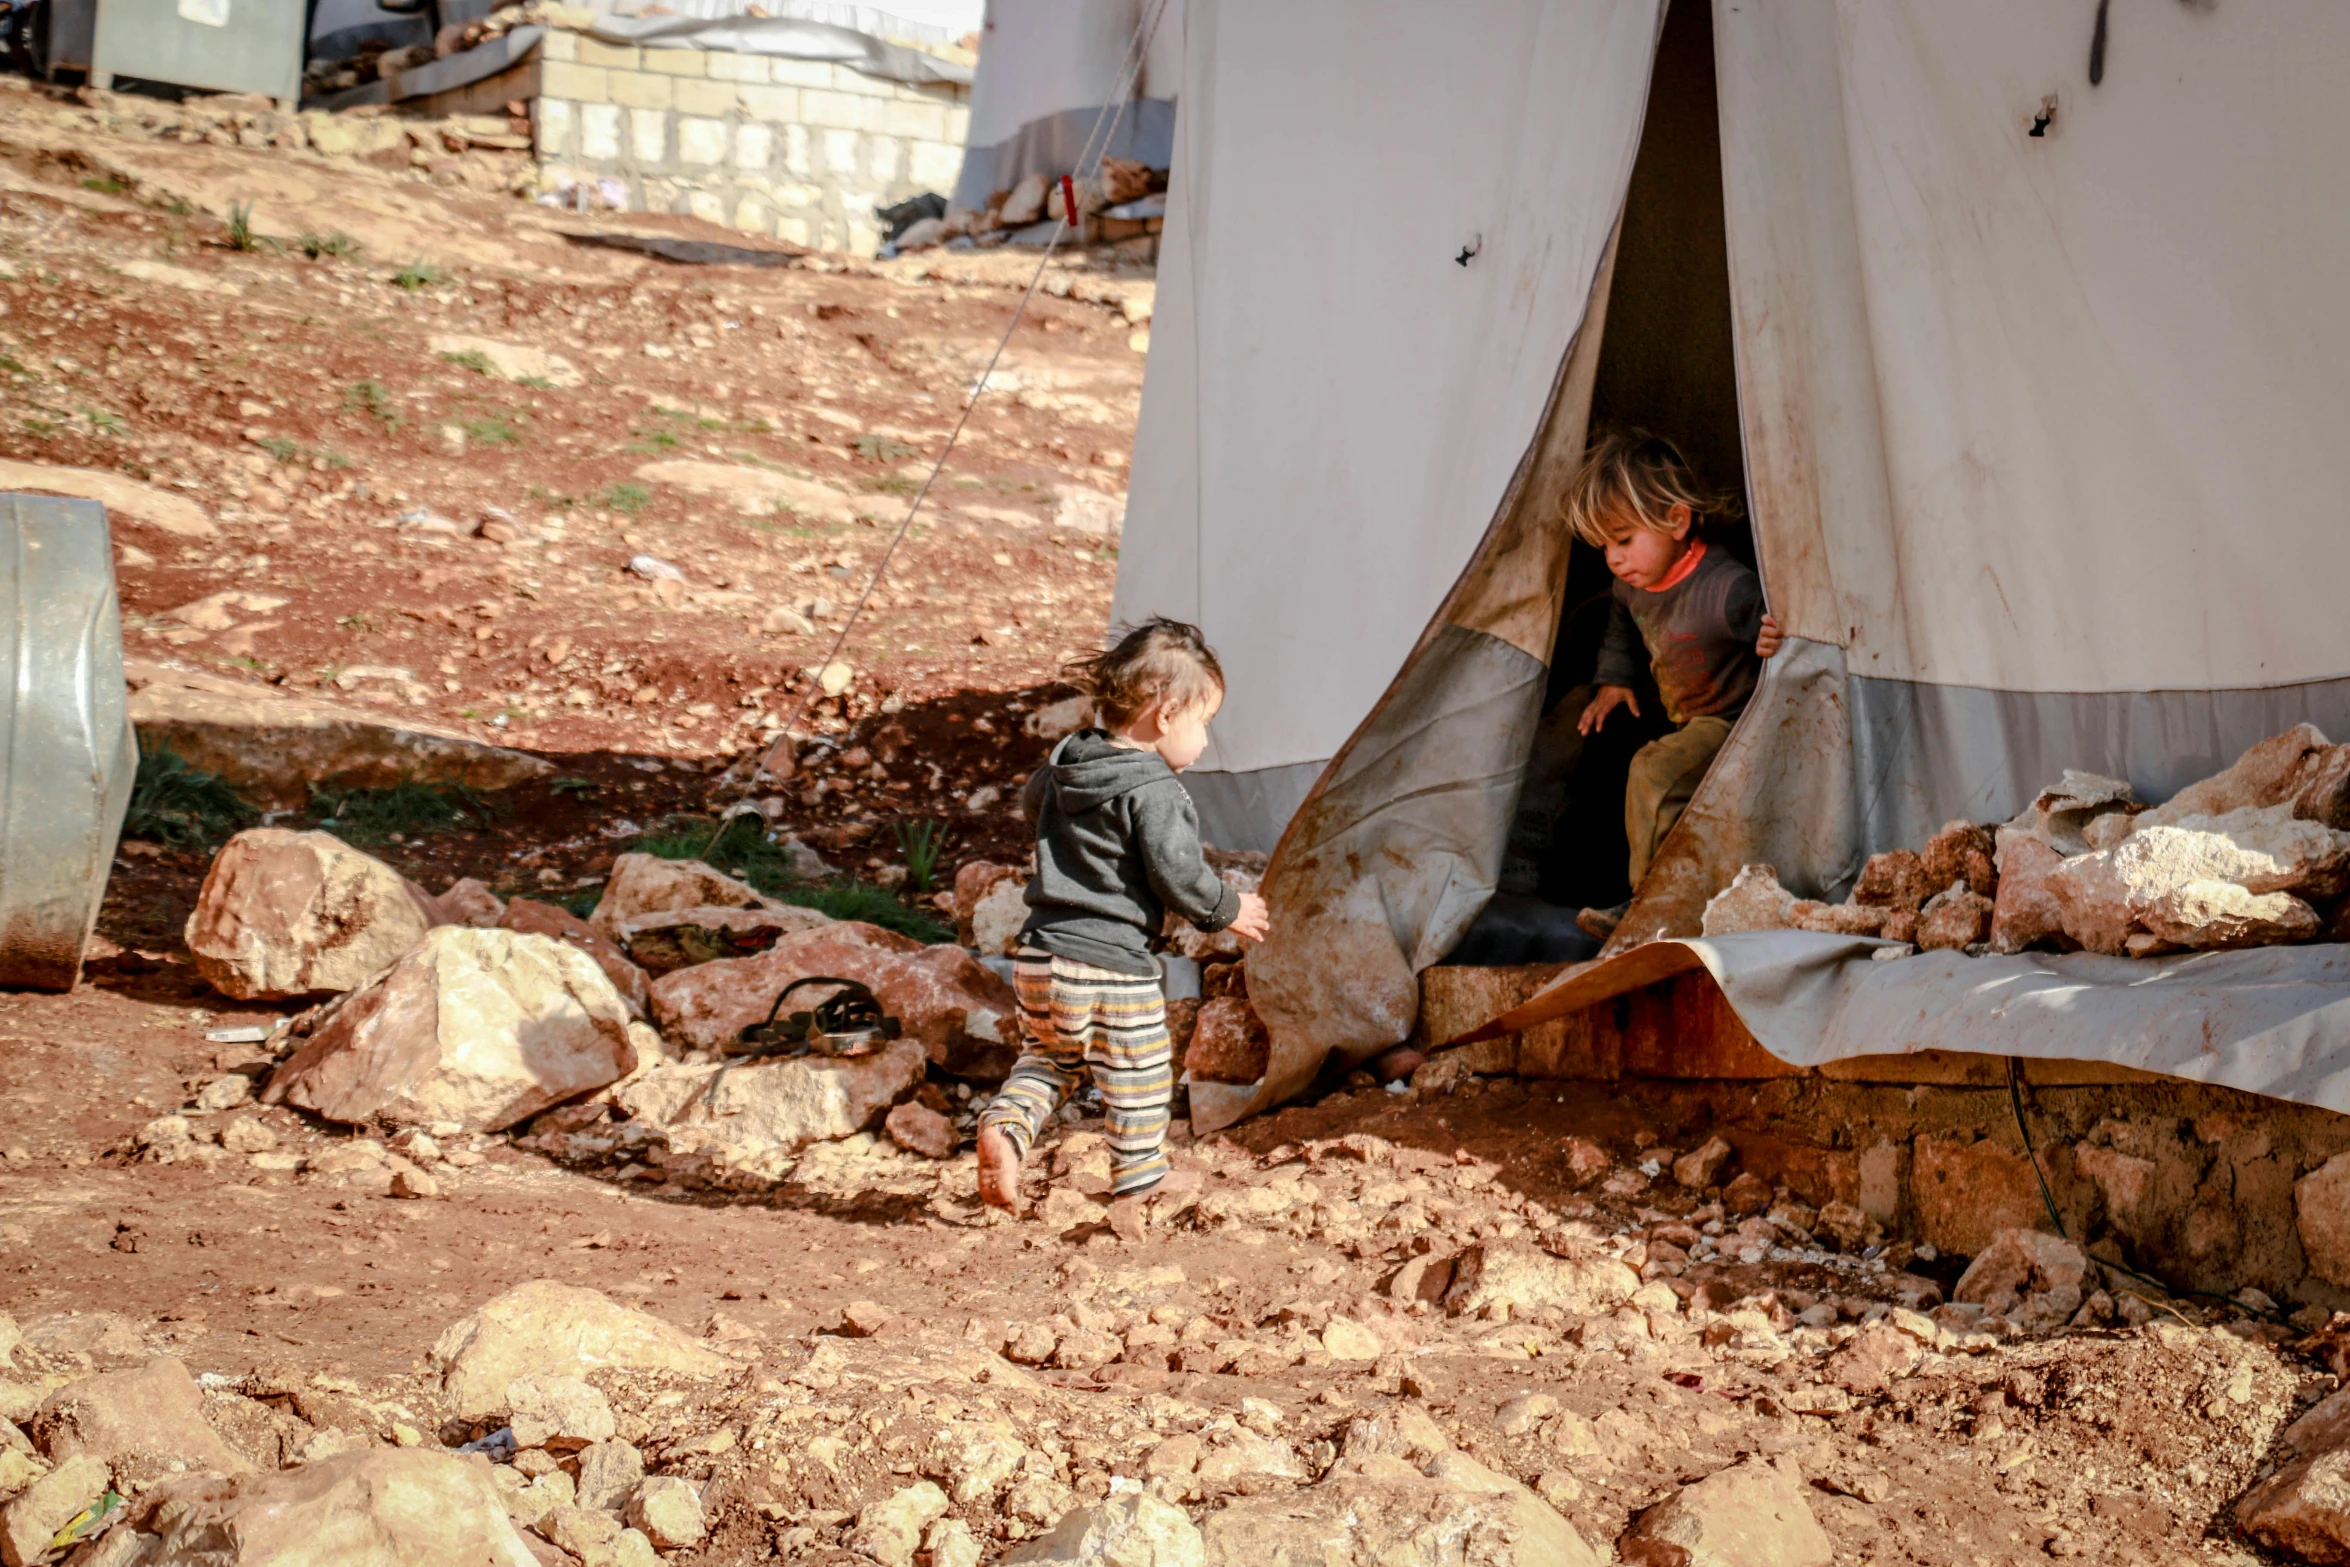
x=1664, y=775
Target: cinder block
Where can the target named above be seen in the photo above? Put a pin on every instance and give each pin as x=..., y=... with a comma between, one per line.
x=559, y=44
x=599, y=133
x=706, y=97
x=958, y=125
x=796, y=158
x=579, y=83
x=935, y=166
x=884, y=156
x=649, y=135
x=775, y=105
x=751, y=214
x=638, y=90
x=794, y=230
x=677, y=62
x=619, y=57
x=701, y=141
x=840, y=153
x=838, y=110
x=552, y=126
x=754, y=146
x=916, y=121
x=740, y=68
x=705, y=205
x=799, y=73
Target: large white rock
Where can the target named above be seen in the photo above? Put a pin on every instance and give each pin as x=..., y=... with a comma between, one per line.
x=665, y=940
x=2060, y=814
x=1381, y=1511
x=543, y=1328
x=964, y=1016
x=143, y=1424
x=747, y=1111
x=382, y=1507
x=997, y=918
x=285, y=913
x=1127, y=1530
x=2154, y=884
x=1751, y=1515
x=649, y=884
x=484, y=1028
x=1497, y=1273
x=2264, y=775
x=1754, y=900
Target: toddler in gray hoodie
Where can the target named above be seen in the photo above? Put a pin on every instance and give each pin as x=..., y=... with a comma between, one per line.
x=1117, y=846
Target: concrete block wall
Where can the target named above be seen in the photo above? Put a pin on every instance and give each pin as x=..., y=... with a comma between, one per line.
x=799, y=149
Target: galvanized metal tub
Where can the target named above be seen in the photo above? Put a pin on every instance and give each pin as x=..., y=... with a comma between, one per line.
x=67, y=753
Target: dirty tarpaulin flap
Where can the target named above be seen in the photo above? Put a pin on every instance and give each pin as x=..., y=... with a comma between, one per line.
x=776, y=35
x=2272, y=1020
x=690, y=252
x=462, y=69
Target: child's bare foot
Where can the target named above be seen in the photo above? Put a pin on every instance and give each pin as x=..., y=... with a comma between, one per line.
x=999, y=1170
x=1126, y=1217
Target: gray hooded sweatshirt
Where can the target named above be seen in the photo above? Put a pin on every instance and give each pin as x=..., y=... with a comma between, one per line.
x=1117, y=846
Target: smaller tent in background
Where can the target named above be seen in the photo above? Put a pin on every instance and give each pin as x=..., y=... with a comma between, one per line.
x=1047, y=68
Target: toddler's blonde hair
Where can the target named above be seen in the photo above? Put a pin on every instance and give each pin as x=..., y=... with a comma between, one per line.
x=1637, y=477
x=1161, y=660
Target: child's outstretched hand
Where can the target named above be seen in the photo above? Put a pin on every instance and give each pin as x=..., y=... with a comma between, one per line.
x=1768, y=643
x=1254, y=919
x=1609, y=699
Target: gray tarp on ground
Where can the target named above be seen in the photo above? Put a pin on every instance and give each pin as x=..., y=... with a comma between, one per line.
x=2274, y=1020
x=1142, y=131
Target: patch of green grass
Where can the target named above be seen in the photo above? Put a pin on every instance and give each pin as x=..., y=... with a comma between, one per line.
x=472, y=359
x=882, y=448
x=240, y=230
x=579, y=901
x=337, y=246
x=13, y=367
x=333, y=459
x=409, y=808
x=741, y=849
x=279, y=447
x=361, y=622
x=889, y=484
x=861, y=900
x=180, y=806
x=417, y=276
x=100, y=419
x=652, y=438
x=373, y=398
x=574, y=786
x=920, y=843
x=106, y=184
x=537, y=383
x=490, y=430
x=178, y=207
x=628, y=499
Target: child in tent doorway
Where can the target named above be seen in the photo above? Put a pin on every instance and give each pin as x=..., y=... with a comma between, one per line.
x=1692, y=611
x=1117, y=845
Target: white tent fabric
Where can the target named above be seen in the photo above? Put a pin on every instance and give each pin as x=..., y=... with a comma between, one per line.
x=2037, y=427
x=1333, y=406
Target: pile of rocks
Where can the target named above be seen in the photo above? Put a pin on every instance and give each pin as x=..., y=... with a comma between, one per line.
x=1114, y=205
x=482, y=152
x=378, y=59
x=2257, y=855
x=456, y=1016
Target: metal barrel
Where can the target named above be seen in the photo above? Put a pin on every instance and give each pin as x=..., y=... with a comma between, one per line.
x=67, y=753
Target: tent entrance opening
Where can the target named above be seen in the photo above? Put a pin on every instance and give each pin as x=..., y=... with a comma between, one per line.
x=1667, y=365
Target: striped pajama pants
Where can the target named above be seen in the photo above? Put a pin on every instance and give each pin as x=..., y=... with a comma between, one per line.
x=1076, y=1018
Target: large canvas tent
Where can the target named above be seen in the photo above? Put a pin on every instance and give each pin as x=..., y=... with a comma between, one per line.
x=2016, y=323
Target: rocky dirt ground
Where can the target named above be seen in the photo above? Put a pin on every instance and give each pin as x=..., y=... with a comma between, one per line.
x=1461, y=1321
